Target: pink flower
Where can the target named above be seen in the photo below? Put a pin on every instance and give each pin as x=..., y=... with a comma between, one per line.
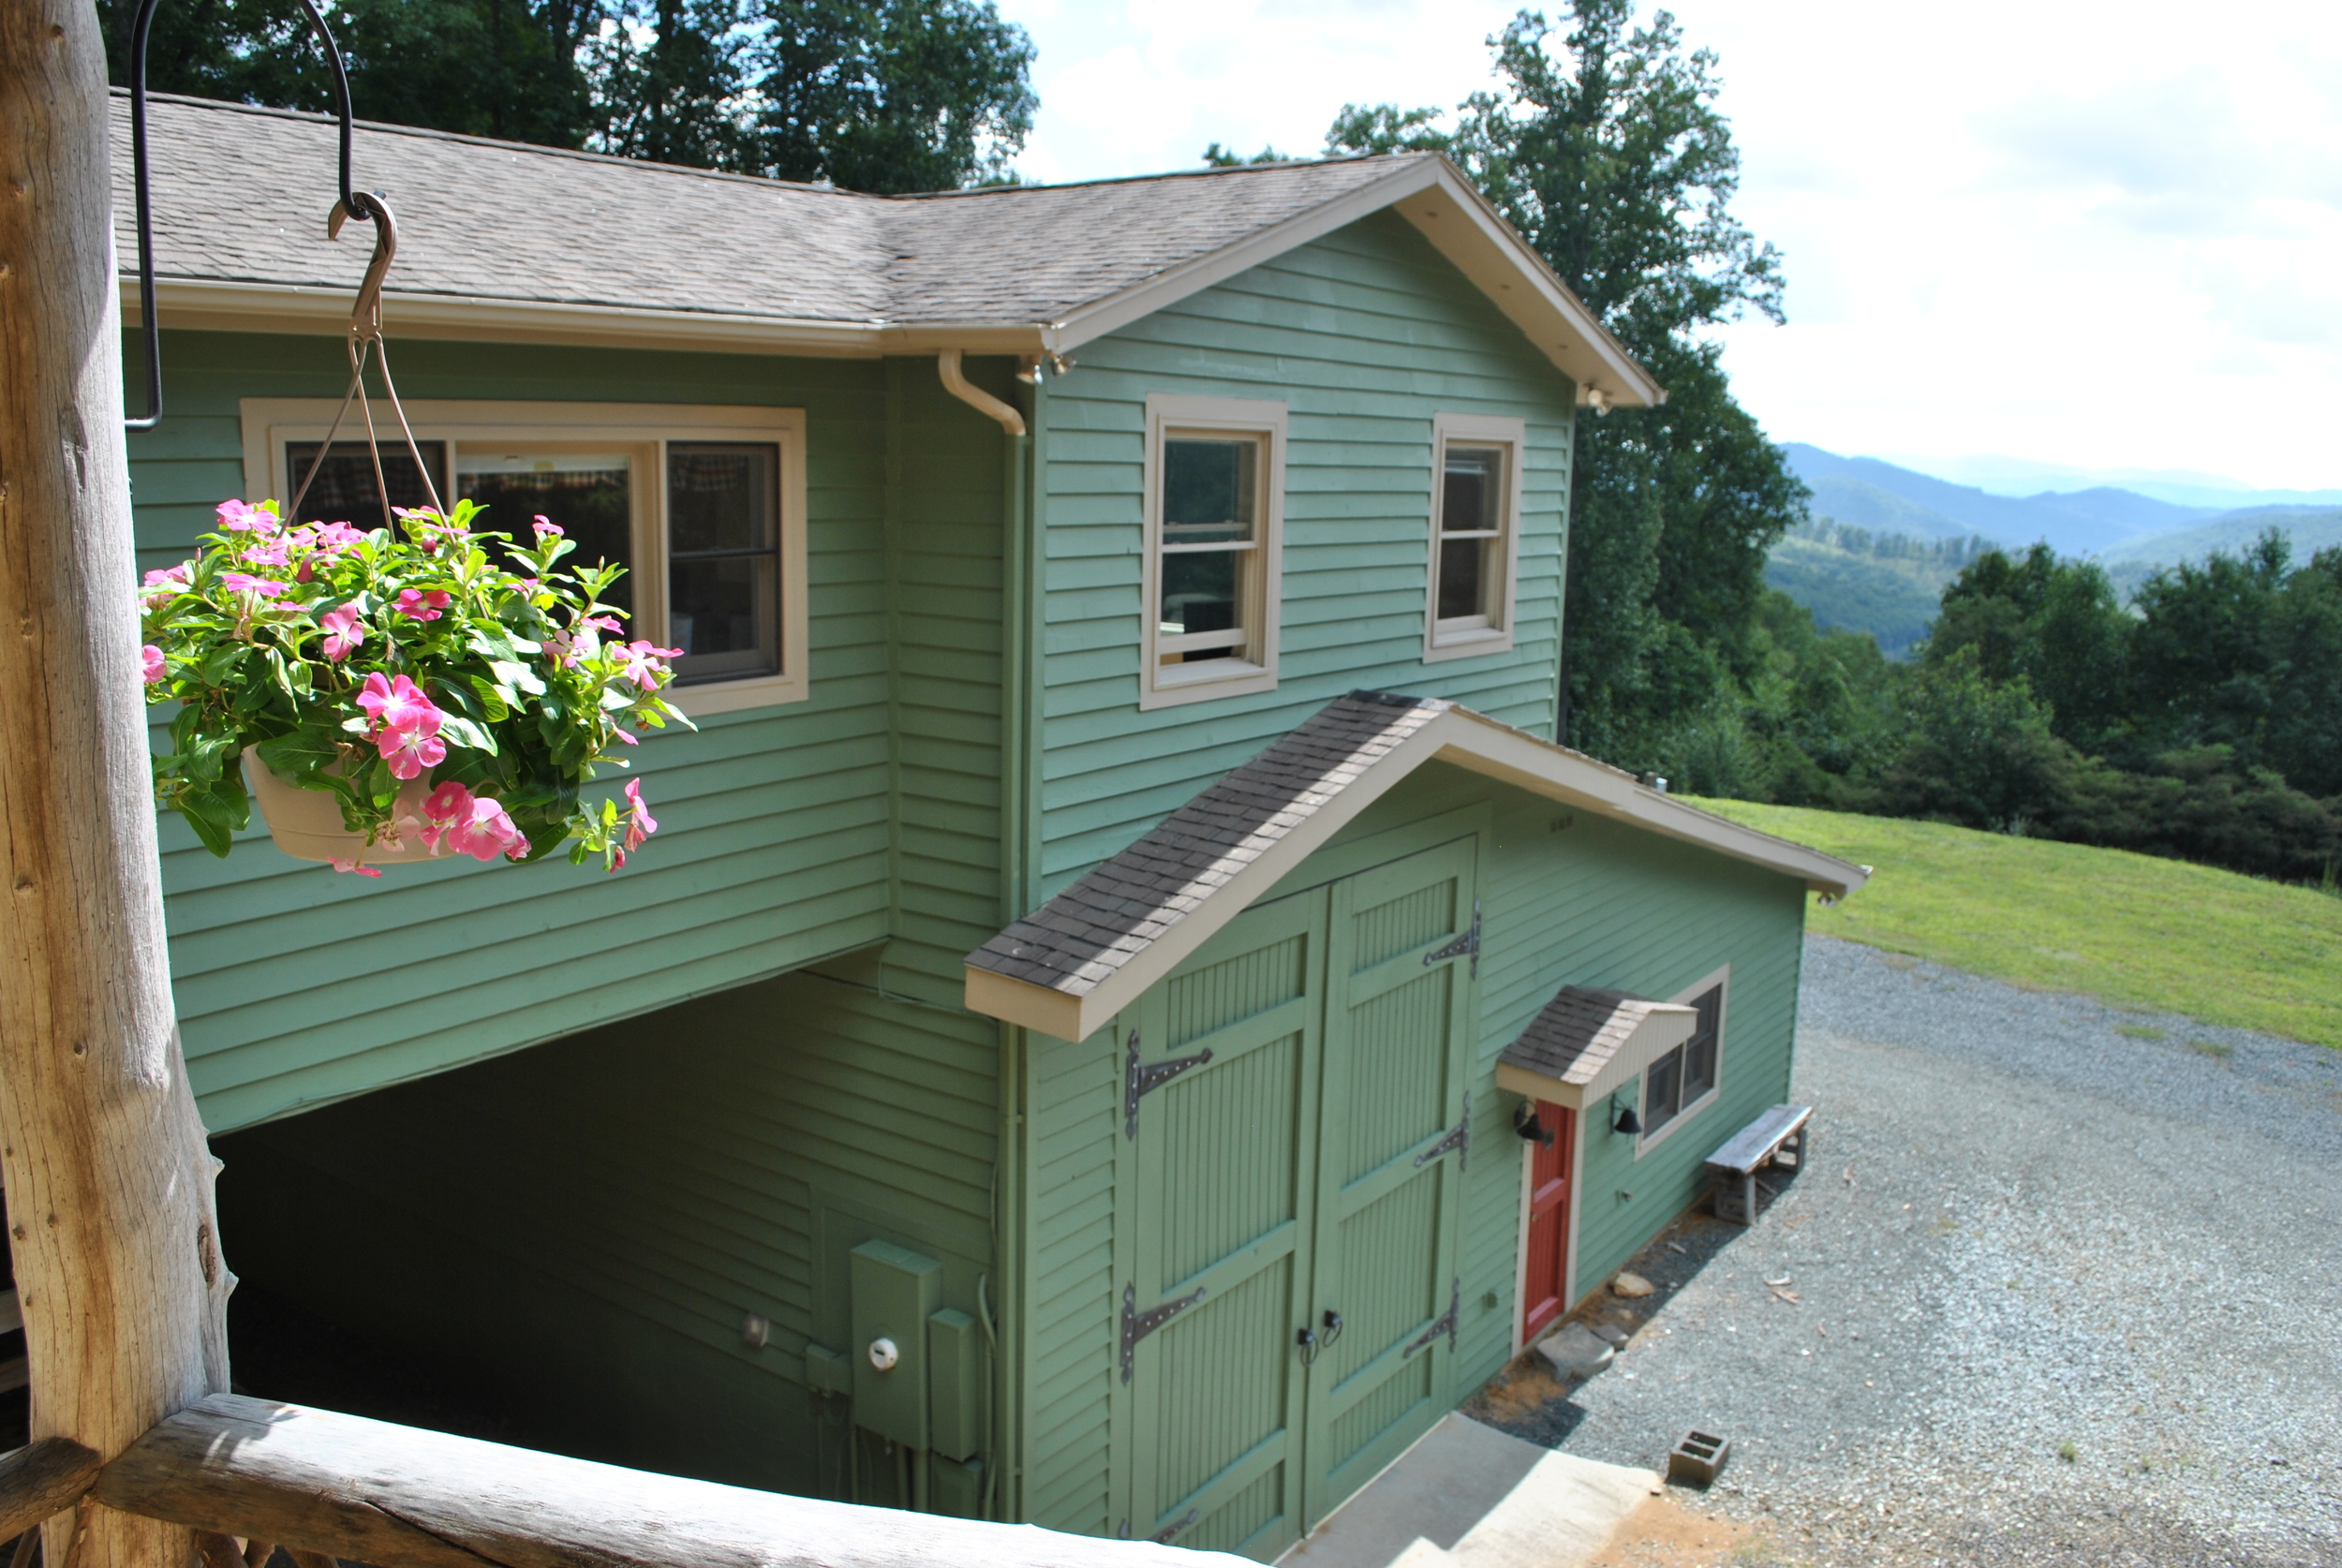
x=150, y=660
x=398, y=703
x=646, y=662
x=410, y=751
x=237, y=518
x=244, y=583
x=639, y=822
x=447, y=804
x=607, y=623
x=487, y=833
x=353, y=865
x=344, y=631
x=271, y=554
x=162, y=582
x=546, y=528
x=423, y=606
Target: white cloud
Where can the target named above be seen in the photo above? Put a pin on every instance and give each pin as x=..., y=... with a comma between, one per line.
x=2077, y=231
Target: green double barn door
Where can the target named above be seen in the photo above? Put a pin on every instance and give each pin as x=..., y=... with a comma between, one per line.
x=1295, y=1099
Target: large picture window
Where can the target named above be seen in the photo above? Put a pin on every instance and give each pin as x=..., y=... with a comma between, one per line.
x=1683, y=1081
x=1475, y=532
x=704, y=505
x=1214, y=503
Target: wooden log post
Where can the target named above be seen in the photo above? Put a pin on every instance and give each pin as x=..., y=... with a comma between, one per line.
x=107, y=1181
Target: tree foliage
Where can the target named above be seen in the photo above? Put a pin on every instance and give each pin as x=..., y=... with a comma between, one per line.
x=1613, y=160
x=885, y=95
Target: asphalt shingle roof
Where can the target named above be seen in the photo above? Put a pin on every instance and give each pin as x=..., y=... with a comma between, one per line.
x=240, y=195
x=1576, y=1034
x=1079, y=938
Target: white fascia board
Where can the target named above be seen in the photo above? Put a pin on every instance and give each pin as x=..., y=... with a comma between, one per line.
x=1481, y=745
x=1468, y=740
x=1492, y=252
x=1666, y=1027
x=317, y=309
x=1174, y=283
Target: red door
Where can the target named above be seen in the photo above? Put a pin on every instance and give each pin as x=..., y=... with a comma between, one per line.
x=1549, y=1221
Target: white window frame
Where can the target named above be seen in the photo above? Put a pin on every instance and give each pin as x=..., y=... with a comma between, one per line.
x=1719, y=981
x=1472, y=636
x=1161, y=686
x=642, y=429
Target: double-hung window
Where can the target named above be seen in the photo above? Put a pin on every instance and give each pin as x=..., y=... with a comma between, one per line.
x=1476, y=535
x=1683, y=1080
x=704, y=505
x=1214, y=512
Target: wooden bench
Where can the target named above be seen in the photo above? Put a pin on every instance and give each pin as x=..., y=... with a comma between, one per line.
x=1781, y=1137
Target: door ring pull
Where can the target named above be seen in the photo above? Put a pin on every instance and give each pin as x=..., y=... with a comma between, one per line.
x=1333, y=1328
x=1310, y=1347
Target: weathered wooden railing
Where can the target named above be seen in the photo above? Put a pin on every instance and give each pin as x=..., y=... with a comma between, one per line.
x=138, y=1461
x=325, y=1486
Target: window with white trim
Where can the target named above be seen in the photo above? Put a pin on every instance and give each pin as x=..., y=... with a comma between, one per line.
x=1683, y=1080
x=1214, y=508
x=1476, y=533
x=705, y=505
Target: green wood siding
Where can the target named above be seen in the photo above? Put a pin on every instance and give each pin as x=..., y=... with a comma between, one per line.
x=296, y=985
x=623, y=1196
x=1573, y=899
x=1365, y=334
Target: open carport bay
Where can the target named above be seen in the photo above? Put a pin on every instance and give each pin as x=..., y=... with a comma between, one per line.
x=2059, y=1285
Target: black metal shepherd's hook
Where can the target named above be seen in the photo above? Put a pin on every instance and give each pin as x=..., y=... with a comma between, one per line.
x=351, y=200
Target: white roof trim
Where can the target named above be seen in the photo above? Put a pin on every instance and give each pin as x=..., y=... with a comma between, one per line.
x=1432, y=195
x=1666, y=1026
x=1459, y=736
x=321, y=310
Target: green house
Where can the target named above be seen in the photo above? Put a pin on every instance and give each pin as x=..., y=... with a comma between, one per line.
x=1064, y=1056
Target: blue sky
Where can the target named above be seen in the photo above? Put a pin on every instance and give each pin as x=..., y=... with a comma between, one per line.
x=2106, y=236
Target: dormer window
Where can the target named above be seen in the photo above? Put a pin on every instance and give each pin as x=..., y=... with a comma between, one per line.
x=1476, y=535
x=1215, y=471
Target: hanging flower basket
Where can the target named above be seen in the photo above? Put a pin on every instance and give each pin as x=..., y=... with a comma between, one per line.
x=400, y=694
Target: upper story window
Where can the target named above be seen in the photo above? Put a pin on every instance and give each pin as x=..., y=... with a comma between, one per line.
x=1686, y=1079
x=704, y=505
x=1215, y=483
x=1476, y=535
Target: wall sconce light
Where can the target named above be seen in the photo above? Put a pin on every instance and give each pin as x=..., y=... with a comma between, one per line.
x=1531, y=1127
x=1622, y=1118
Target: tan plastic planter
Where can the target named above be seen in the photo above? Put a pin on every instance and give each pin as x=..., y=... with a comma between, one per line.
x=308, y=823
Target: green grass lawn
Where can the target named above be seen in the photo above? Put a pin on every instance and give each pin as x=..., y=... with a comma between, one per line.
x=2128, y=929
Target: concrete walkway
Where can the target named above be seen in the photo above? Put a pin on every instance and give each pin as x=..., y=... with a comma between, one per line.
x=1474, y=1497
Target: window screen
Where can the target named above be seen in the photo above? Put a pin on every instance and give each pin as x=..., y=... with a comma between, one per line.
x=1471, y=533
x=343, y=488
x=1211, y=516
x=723, y=558
x=588, y=495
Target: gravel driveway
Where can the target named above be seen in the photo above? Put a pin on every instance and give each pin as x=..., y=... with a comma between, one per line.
x=2067, y=1285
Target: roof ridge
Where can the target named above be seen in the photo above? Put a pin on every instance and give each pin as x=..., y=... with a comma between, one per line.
x=581, y=154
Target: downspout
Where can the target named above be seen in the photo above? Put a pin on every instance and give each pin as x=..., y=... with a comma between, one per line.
x=1002, y=1481
x=947, y=366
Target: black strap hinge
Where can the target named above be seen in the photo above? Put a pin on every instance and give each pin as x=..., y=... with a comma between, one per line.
x=1162, y=1537
x=1467, y=943
x=1138, y=1081
x=1459, y=1138
x=1446, y=1324
x=1136, y=1324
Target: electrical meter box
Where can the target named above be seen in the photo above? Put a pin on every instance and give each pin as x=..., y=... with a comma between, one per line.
x=954, y=1384
x=894, y=1291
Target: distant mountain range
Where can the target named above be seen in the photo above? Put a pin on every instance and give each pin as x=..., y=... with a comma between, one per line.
x=2114, y=522
x=1890, y=592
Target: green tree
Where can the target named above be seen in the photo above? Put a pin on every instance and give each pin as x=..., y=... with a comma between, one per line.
x=2056, y=625
x=1612, y=158
x=885, y=95
x=1978, y=752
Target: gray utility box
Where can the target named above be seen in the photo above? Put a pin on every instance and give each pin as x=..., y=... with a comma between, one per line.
x=895, y=1290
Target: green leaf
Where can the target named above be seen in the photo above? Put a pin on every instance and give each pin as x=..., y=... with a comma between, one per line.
x=516, y=677
x=493, y=701
x=463, y=732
